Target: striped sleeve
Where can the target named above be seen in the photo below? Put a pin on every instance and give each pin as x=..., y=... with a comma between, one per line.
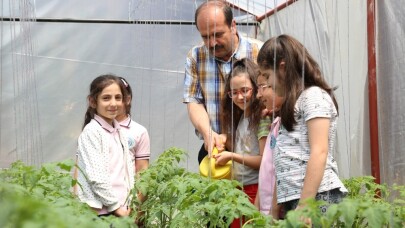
x=264, y=127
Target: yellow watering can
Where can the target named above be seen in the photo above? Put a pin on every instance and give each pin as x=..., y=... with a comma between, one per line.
x=217, y=171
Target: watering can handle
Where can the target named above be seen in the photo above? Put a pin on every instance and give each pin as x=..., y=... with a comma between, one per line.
x=212, y=161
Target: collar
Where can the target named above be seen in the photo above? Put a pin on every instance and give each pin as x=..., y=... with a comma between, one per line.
x=106, y=125
x=127, y=122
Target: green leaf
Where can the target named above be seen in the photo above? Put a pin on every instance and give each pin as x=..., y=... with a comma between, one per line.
x=348, y=209
x=375, y=216
x=66, y=164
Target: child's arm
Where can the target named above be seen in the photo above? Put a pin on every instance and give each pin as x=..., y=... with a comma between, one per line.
x=275, y=208
x=248, y=160
x=318, y=134
x=139, y=166
x=257, y=201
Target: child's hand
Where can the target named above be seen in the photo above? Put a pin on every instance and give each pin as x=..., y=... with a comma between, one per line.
x=306, y=220
x=223, y=157
x=265, y=112
x=122, y=212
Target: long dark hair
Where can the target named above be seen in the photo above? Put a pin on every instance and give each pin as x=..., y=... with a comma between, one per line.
x=287, y=49
x=96, y=87
x=230, y=114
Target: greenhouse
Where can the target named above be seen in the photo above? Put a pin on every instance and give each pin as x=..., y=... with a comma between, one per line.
x=52, y=50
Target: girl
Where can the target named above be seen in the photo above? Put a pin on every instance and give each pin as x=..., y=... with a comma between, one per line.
x=243, y=126
x=267, y=175
x=303, y=158
x=138, y=137
x=106, y=174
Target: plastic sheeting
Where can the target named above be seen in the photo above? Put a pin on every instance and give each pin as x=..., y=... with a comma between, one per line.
x=391, y=89
x=335, y=33
x=46, y=69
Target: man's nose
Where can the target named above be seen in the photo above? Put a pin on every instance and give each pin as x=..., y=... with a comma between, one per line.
x=212, y=42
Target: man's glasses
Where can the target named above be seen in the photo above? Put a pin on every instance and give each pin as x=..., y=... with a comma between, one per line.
x=261, y=88
x=244, y=91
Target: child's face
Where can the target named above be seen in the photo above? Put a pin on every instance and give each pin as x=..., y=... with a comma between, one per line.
x=272, y=80
x=241, y=90
x=108, y=102
x=122, y=110
x=267, y=95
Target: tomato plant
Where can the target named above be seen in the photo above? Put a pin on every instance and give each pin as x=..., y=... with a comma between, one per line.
x=42, y=197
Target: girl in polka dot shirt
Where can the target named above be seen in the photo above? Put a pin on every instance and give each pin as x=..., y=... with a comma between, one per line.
x=106, y=170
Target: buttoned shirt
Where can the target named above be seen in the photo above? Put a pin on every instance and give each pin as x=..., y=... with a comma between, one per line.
x=106, y=173
x=205, y=76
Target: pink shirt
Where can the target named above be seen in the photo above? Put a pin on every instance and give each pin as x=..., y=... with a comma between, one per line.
x=267, y=176
x=138, y=139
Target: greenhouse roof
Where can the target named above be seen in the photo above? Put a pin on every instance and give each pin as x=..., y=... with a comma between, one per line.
x=258, y=8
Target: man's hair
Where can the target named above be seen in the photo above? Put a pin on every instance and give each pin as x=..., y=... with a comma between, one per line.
x=226, y=9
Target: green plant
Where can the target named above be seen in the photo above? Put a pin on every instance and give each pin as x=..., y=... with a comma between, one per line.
x=41, y=197
x=367, y=205
x=177, y=198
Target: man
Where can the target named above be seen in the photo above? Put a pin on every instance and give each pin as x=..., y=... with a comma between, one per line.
x=208, y=66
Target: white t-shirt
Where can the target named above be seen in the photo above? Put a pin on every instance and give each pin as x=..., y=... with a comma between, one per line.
x=292, y=149
x=247, y=144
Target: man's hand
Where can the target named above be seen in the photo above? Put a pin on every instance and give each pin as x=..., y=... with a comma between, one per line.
x=214, y=140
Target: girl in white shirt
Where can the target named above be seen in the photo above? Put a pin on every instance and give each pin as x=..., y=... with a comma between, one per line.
x=106, y=170
x=245, y=129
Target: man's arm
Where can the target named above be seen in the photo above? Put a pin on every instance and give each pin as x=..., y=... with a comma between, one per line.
x=199, y=118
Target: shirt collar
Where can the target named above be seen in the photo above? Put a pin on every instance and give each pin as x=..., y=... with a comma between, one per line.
x=106, y=125
x=126, y=122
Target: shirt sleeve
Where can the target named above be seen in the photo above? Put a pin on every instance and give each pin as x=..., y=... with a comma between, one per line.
x=94, y=151
x=264, y=127
x=317, y=103
x=142, y=151
x=192, y=87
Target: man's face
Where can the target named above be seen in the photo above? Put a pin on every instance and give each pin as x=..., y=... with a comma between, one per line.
x=218, y=37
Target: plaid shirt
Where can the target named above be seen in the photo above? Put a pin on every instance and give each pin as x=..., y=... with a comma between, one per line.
x=205, y=76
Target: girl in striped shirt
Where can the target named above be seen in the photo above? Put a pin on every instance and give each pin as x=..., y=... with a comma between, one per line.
x=305, y=167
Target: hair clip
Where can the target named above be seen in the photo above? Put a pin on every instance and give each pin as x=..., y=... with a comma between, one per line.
x=125, y=83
